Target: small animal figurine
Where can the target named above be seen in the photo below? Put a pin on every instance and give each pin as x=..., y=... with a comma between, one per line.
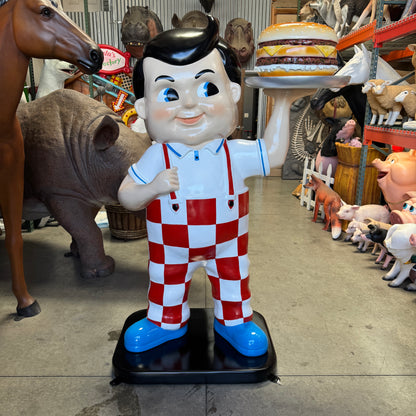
x=377, y=233
x=331, y=202
x=361, y=213
x=345, y=134
x=396, y=177
x=352, y=228
x=385, y=94
x=377, y=110
x=398, y=242
x=408, y=99
x=359, y=237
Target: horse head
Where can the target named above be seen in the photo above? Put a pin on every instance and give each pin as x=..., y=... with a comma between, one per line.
x=358, y=67
x=42, y=30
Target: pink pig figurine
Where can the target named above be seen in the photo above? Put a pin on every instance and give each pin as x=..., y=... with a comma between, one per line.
x=346, y=132
x=396, y=177
x=408, y=212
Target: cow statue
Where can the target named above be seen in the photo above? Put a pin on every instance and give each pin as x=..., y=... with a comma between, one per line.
x=399, y=242
x=77, y=153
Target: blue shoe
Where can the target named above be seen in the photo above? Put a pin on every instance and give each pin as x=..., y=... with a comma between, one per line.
x=144, y=335
x=247, y=338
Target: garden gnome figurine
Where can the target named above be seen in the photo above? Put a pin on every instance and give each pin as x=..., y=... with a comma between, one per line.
x=192, y=183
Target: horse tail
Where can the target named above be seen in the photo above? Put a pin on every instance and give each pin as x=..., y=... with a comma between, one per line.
x=337, y=10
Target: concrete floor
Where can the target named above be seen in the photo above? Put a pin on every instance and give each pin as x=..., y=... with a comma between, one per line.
x=345, y=341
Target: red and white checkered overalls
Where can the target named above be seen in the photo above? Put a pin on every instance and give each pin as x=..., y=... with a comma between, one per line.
x=185, y=234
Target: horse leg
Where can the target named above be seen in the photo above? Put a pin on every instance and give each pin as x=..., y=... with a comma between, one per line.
x=364, y=14
x=11, y=190
x=78, y=219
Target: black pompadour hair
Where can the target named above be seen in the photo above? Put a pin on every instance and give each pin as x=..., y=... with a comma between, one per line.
x=185, y=46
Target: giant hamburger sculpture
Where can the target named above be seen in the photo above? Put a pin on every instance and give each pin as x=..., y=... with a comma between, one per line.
x=292, y=49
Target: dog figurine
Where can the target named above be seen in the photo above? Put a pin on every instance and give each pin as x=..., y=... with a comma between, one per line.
x=331, y=202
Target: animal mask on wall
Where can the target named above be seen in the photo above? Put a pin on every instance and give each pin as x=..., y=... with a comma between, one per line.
x=139, y=25
x=239, y=35
x=195, y=18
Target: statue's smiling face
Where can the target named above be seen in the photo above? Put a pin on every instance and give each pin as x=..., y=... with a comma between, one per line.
x=191, y=104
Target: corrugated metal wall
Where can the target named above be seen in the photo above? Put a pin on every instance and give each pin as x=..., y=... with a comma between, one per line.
x=105, y=26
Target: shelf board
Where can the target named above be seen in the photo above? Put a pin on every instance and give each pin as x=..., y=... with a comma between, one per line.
x=403, y=32
x=395, y=30
x=397, y=55
x=391, y=135
x=363, y=34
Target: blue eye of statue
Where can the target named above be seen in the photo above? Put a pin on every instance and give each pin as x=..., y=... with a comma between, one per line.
x=405, y=206
x=207, y=89
x=412, y=209
x=167, y=95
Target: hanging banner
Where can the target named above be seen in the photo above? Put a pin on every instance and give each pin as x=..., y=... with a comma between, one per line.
x=78, y=5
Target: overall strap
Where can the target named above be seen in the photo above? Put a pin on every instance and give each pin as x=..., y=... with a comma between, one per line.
x=175, y=206
x=229, y=172
x=167, y=164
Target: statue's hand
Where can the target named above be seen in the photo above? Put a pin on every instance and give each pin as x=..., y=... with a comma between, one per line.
x=166, y=181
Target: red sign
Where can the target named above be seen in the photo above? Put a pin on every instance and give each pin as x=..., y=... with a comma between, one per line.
x=115, y=61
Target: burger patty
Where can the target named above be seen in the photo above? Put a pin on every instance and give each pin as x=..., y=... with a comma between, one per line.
x=309, y=42
x=302, y=60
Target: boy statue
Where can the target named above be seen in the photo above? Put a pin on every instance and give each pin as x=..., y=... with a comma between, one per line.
x=191, y=181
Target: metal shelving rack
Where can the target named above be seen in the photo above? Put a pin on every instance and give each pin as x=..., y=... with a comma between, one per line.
x=378, y=36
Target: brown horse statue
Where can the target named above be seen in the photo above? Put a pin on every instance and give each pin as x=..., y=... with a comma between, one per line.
x=29, y=28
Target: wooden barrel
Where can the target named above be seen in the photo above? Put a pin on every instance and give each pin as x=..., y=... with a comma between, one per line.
x=346, y=175
x=125, y=224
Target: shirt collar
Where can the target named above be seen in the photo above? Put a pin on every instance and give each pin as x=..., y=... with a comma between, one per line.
x=180, y=149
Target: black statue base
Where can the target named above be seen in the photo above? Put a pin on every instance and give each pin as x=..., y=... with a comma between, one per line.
x=200, y=356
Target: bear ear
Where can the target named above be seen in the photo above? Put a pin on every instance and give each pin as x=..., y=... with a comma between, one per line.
x=106, y=134
x=176, y=22
x=412, y=152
